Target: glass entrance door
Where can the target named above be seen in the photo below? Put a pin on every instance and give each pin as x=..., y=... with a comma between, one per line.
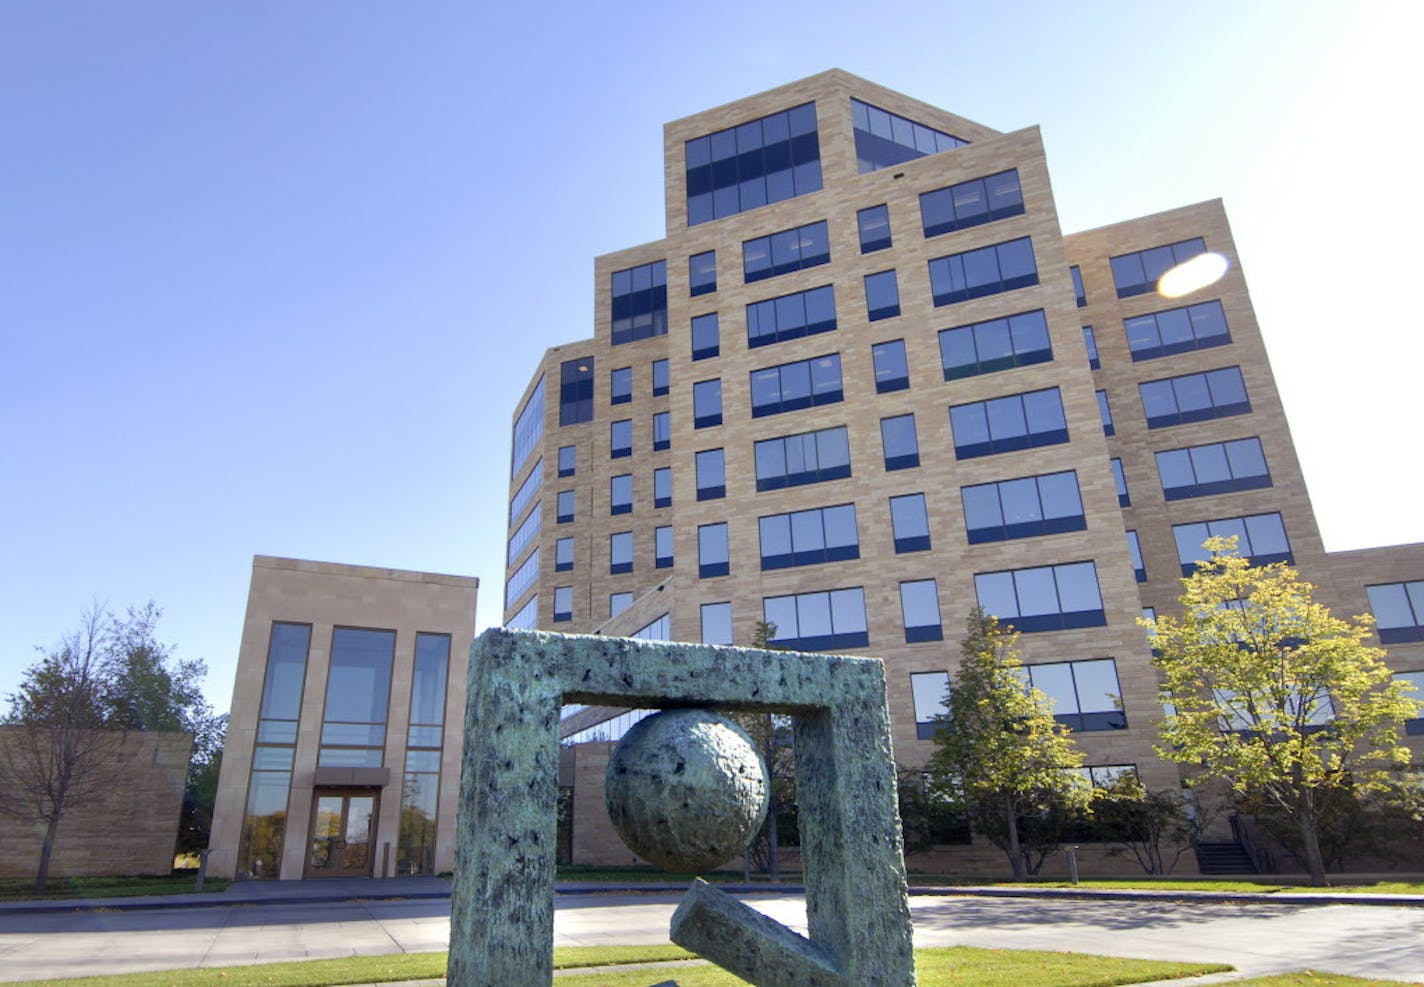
x=342, y=833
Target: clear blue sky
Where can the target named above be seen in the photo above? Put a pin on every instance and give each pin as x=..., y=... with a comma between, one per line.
x=273, y=274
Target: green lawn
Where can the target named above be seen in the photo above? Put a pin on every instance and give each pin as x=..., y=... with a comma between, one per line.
x=1309, y=978
x=21, y=889
x=958, y=966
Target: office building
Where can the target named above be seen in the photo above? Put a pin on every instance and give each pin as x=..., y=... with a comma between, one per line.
x=866, y=383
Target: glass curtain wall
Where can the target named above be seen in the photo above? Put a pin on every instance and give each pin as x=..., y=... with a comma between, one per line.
x=420, y=786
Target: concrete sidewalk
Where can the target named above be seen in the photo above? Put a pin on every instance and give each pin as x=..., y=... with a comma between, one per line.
x=416, y=888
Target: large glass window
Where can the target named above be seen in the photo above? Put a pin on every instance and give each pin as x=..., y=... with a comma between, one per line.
x=420, y=787
x=1018, y=421
x=910, y=522
x=519, y=583
x=985, y=271
x=712, y=557
x=756, y=163
x=884, y=139
x=662, y=486
x=802, y=313
x=711, y=474
x=930, y=691
x=874, y=227
x=1259, y=537
x=1137, y=273
x=882, y=296
x=1177, y=330
x=1194, y=397
x=702, y=273
x=1085, y=694
x=264, y=821
x=784, y=252
x=1023, y=508
x=1043, y=598
x=1399, y=613
x=792, y=386
x=810, y=457
x=892, y=370
x=1213, y=468
x=576, y=391
x=981, y=200
x=620, y=386
x=620, y=552
x=716, y=623
x=528, y=428
x=901, y=445
x=358, y=692
x=526, y=491
x=707, y=403
x=524, y=534
x=998, y=344
x=662, y=547
x=822, y=534
x=528, y=616
x=706, y=337
x=620, y=494
x=919, y=608
x=639, y=302
x=829, y=621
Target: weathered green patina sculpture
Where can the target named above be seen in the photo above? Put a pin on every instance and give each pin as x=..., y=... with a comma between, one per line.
x=502, y=910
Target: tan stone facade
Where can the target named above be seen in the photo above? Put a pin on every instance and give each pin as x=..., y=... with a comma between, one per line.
x=130, y=829
x=953, y=561
x=320, y=600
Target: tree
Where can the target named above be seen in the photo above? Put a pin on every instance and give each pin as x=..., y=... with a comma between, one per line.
x=1272, y=696
x=771, y=737
x=1156, y=827
x=1001, y=758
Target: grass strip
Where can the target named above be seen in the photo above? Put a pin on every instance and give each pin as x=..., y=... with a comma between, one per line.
x=1246, y=887
x=65, y=888
x=937, y=968
x=1310, y=978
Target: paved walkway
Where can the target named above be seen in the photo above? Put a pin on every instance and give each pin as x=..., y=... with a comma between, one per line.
x=254, y=923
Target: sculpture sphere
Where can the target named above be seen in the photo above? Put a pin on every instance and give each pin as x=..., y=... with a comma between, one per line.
x=686, y=789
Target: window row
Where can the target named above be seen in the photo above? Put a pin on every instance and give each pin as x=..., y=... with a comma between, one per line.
x=638, y=302
x=1177, y=330
x=525, y=494
x=801, y=313
x=1137, y=273
x=997, y=344
x=1194, y=397
x=1399, y=612
x=809, y=537
x=971, y=203
x=1213, y=468
x=771, y=159
x=786, y=251
x=1085, y=695
x=985, y=271
x=884, y=139
x=1259, y=537
x=791, y=386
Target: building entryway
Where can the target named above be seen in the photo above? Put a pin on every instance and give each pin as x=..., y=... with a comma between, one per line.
x=343, y=827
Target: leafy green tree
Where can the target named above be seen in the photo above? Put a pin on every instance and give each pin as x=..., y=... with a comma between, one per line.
x=1275, y=698
x=1156, y=827
x=1001, y=758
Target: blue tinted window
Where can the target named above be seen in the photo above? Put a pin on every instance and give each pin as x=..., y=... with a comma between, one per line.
x=528, y=427
x=971, y=203
x=1134, y=549
x=706, y=337
x=702, y=273
x=620, y=386
x=563, y=603
x=792, y=386
x=985, y=271
x=662, y=547
x=1044, y=598
x=565, y=506
x=524, y=534
x=660, y=378
x=902, y=446
x=829, y=621
x=1194, y=397
x=526, y=491
x=810, y=457
x=662, y=430
x=620, y=494
x=620, y=438
x=998, y=344
x=910, y=523
x=707, y=403
x=1414, y=726
x=1090, y=341
x=620, y=552
x=754, y=164
x=823, y=534
x=1259, y=537
x=919, y=608
x=874, y=227
x=884, y=139
x=1399, y=612
x=1217, y=467
x=639, y=301
x=882, y=296
x=711, y=474
x=712, y=559
x=787, y=251
x=563, y=554
x=1105, y=413
x=1023, y=507
x=1018, y=421
x=576, y=391
x=662, y=486
x=1177, y=330
x=1137, y=273
x=1085, y=694
x=803, y=313
x=892, y=371
x=568, y=459
x=1078, y=293
x=716, y=623
x=1124, y=499
x=519, y=583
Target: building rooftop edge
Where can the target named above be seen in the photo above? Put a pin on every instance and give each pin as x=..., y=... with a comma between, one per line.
x=363, y=571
